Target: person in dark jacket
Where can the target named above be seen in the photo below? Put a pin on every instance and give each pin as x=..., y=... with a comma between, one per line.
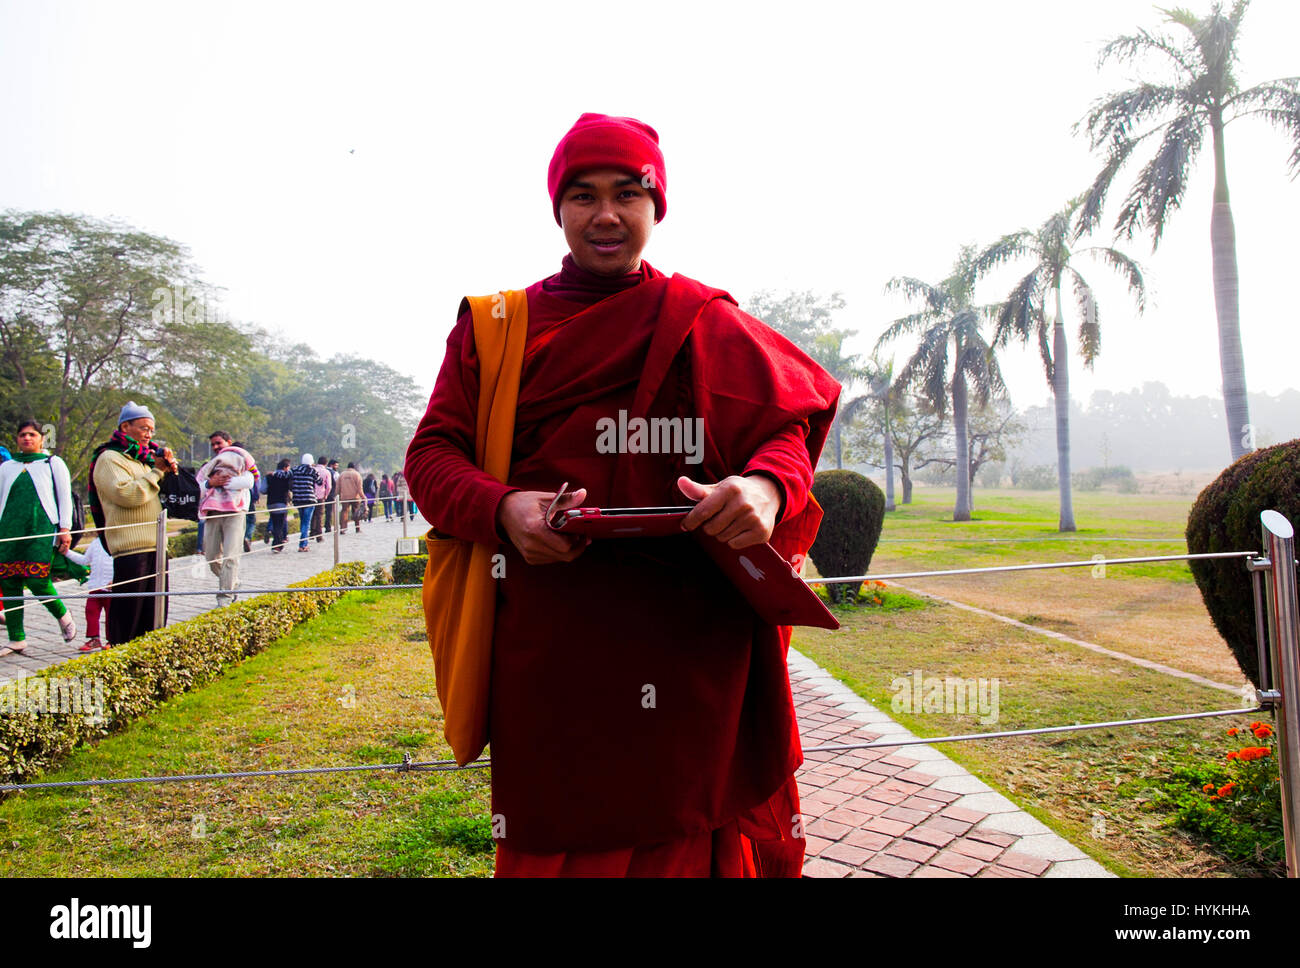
x=371, y=490
x=279, y=492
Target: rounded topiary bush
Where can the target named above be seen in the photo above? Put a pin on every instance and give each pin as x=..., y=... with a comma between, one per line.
x=854, y=514
x=1225, y=517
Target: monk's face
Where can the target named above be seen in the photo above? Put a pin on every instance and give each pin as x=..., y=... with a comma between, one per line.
x=607, y=217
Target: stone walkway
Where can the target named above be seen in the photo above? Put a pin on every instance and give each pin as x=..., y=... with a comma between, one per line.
x=257, y=569
x=906, y=811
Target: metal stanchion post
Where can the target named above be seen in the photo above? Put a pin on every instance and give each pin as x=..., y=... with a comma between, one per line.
x=338, y=525
x=160, y=573
x=1284, y=655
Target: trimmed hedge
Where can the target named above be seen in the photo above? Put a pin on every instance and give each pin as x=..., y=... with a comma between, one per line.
x=1225, y=517
x=854, y=514
x=134, y=678
x=409, y=569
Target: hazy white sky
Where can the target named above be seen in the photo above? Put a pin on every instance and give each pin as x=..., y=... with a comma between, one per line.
x=348, y=172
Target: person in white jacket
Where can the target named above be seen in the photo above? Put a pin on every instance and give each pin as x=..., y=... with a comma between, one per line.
x=100, y=563
x=35, y=522
x=225, y=482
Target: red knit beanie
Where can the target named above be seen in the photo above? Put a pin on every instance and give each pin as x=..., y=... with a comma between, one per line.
x=600, y=141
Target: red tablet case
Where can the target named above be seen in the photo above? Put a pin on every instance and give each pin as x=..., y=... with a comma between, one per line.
x=769, y=583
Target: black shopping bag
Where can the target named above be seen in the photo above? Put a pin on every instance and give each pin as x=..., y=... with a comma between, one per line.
x=179, y=494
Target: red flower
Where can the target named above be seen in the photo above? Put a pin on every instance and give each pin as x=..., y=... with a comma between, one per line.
x=1251, y=753
x=1262, y=731
x=1234, y=731
x=1227, y=789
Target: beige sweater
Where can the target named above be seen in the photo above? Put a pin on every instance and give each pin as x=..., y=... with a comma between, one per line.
x=128, y=490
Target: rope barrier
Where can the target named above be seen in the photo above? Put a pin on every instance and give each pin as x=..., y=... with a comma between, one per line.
x=1089, y=563
x=846, y=747
x=811, y=581
x=91, y=529
x=442, y=766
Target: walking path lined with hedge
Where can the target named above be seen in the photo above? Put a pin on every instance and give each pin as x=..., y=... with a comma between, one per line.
x=257, y=569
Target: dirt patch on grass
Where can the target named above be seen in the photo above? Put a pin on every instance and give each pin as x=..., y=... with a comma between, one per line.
x=1162, y=621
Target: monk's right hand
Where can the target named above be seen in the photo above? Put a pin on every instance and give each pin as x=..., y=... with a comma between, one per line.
x=522, y=515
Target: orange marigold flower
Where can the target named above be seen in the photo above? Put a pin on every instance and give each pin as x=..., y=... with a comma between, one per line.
x=1234, y=731
x=1253, y=753
x=1234, y=756
x=1255, y=724
x=1262, y=732
x=1208, y=788
x=1227, y=789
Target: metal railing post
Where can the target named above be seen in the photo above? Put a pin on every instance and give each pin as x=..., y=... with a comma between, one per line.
x=160, y=573
x=338, y=525
x=1284, y=656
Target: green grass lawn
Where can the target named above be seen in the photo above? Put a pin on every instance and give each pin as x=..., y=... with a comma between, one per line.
x=354, y=685
x=1013, y=527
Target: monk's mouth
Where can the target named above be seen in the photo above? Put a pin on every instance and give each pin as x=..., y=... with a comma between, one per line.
x=606, y=244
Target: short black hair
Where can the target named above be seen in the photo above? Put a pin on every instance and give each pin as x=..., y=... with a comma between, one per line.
x=332, y=462
x=282, y=465
x=29, y=422
x=220, y=433
x=351, y=466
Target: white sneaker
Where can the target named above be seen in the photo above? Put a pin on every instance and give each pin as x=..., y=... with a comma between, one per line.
x=68, y=628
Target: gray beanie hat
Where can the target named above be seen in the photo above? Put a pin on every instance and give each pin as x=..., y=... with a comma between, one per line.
x=133, y=411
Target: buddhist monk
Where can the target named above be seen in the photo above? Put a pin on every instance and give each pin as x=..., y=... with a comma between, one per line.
x=641, y=721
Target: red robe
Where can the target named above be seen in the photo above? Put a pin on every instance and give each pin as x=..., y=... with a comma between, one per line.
x=587, y=776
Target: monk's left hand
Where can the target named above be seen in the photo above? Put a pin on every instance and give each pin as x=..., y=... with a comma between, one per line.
x=740, y=511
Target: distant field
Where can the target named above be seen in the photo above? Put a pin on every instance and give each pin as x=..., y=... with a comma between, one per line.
x=1152, y=611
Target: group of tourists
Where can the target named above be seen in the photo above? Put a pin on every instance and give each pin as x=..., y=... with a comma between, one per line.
x=125, y=483
x=311, y=487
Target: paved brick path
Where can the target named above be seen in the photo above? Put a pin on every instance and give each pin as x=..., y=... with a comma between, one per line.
x=907, y=811
x=257, y=569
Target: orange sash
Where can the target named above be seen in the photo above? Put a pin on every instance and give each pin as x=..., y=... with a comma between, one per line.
x=459, y=592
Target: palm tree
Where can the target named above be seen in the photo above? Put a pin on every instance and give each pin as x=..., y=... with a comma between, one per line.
x=880, y=380
x=827, y=350
x=948, y=316
x=1025, y=315
x=1202, y=93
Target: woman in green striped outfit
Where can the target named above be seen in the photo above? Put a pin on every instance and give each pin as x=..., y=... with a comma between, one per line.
x=35, y=522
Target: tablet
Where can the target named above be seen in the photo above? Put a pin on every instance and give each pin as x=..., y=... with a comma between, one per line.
x=620, y=522
x=769, y=583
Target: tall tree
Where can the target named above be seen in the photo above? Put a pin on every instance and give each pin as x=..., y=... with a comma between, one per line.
x=952, y=358
x=807, y=320
x=880, y=378
x=1199, y=94
x=81, y=292
x=916, y=437
x=1025, y=314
